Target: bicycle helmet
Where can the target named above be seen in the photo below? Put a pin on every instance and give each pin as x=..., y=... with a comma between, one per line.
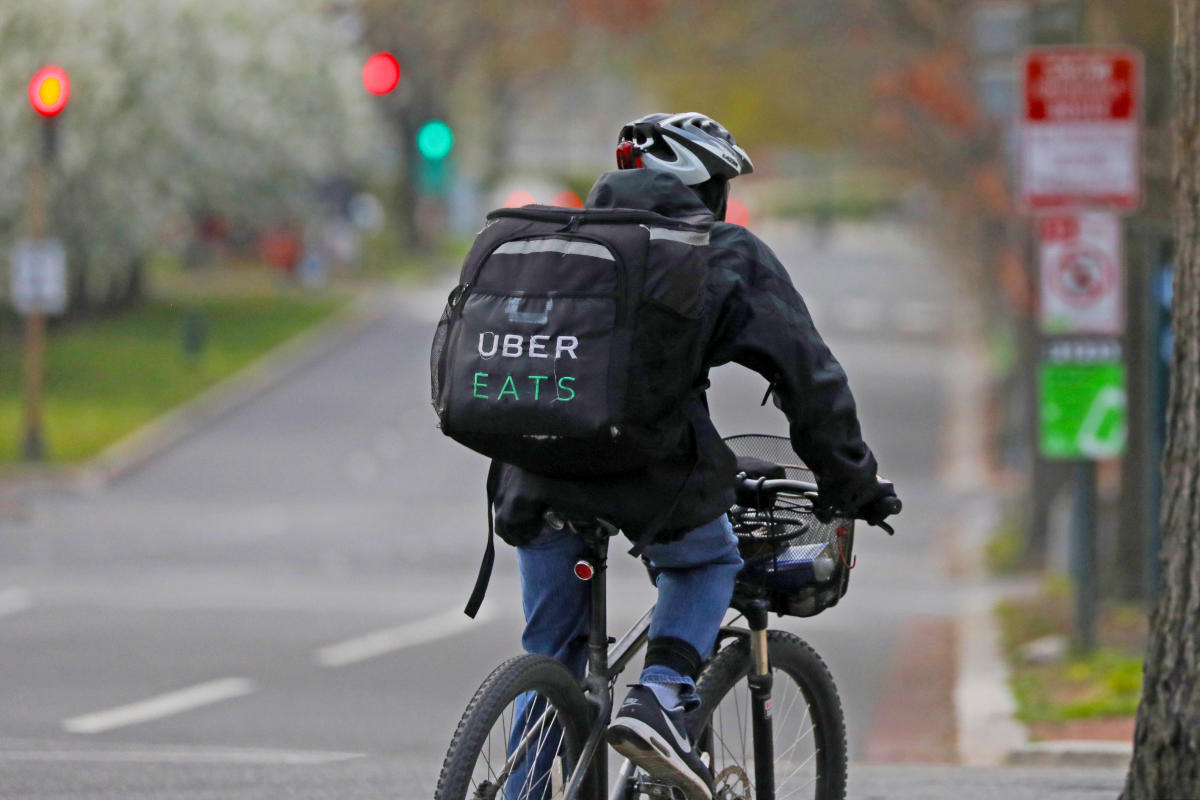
x=693, y=146
x=697, y=149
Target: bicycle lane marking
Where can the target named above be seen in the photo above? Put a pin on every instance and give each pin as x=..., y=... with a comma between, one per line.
x=14, y=600
x=159, y=706
x=389, y=640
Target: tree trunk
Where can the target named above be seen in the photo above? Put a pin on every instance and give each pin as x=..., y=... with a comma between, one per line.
x=1166, y=757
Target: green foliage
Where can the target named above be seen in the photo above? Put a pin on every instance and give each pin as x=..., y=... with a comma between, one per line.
x=1103, y=684
x=1004, y=550
x=1107, y=682
x=178, y=110
x=106, y=378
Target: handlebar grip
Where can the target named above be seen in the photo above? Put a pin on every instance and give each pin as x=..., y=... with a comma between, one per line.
x=893, y=505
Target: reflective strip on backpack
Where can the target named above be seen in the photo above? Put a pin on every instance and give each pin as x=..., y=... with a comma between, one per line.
x=694, y=238
x=563, y=246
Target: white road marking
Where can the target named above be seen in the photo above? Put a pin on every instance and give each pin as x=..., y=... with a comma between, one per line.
x=180, y=755
x=389, y=640
x=163, y=705
x=14, y=601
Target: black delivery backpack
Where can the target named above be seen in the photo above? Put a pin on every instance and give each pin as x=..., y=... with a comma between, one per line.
x=572, y=339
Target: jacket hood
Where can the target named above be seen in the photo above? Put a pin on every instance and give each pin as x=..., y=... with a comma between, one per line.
x=648, y=190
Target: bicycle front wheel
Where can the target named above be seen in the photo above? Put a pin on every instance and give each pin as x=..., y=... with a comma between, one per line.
x=520, y=736
x=807, y=724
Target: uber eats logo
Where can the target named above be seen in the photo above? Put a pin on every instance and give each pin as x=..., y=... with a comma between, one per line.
x=553, y=388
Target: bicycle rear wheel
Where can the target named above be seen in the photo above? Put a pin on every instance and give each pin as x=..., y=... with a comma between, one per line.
x=807, y=723
x=520, y=736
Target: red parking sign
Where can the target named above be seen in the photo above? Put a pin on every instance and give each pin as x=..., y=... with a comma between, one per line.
x=1079, y=134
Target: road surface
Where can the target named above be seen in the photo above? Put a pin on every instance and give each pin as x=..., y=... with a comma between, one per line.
x=272, y=607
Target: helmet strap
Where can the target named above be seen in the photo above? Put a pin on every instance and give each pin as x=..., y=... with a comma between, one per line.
x=714, y=193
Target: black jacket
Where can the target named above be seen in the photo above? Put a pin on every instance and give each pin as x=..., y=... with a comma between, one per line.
x=754, y=317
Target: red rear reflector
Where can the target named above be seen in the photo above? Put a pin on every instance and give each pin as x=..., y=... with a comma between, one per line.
x=628, y=156
x=584, y=571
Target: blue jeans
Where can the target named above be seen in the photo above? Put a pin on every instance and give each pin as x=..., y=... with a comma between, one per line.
x=695, y=584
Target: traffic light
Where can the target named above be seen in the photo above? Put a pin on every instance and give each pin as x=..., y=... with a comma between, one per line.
x=381, y=73
x=49, y=91
x=435, y=140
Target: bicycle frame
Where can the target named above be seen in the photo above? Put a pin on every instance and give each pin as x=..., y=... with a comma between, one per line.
x=606, y=663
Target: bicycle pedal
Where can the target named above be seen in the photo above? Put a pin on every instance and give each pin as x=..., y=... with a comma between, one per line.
x=658, y=790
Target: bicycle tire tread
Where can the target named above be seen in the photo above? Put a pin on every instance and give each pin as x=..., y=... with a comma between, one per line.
x=497, y=690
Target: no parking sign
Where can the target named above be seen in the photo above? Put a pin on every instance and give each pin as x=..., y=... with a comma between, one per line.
x=1079, y=253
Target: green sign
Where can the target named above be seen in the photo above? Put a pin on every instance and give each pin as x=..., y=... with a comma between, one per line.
x=1082, y=409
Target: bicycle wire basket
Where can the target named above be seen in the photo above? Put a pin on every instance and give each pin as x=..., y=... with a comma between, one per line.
x=799, y=564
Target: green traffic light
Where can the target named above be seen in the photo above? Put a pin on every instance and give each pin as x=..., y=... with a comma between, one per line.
x=435, y=140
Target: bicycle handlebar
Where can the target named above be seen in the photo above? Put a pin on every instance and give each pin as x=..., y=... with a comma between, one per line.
x=892, y=505
x=776, y=485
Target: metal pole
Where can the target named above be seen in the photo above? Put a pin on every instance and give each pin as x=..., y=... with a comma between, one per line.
x=1083, y=556
x=33, y=445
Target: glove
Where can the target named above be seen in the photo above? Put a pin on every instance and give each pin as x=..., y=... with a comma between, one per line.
x=881, y=506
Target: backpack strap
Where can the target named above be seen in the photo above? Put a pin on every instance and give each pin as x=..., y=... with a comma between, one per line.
x=489, y=554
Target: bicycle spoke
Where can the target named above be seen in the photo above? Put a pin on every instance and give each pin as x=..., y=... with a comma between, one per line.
x=546, y=730
x=813, y=782
x=802, y=765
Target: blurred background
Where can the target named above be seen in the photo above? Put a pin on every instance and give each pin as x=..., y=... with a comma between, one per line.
x=222, y=462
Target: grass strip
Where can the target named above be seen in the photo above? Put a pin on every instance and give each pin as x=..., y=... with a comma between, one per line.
x=1104, y=683
x=107, y=377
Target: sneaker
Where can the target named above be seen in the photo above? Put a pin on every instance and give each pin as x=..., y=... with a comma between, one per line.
x=656, y=739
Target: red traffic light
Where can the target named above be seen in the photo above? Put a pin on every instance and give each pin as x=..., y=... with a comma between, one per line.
x=381, y=73
x=49, y=90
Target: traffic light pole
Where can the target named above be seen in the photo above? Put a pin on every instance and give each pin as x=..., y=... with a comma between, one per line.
x=33, y=443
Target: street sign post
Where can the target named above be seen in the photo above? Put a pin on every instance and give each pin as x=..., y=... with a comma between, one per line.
x=1079, y=128
x=1079, y=164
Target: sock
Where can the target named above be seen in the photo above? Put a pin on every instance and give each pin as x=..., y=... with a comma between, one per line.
x=666, y=693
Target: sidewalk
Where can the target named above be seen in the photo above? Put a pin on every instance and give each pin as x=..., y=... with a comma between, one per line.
x=988, y=733
x=888, y=782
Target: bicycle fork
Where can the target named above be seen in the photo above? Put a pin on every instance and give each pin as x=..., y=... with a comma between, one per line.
x=759, y=682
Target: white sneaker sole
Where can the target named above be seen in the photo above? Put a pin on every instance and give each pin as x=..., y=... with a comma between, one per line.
x=642, y=745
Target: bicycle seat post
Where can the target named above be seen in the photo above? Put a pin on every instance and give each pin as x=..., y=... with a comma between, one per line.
x=598, y=635
x=597, y=684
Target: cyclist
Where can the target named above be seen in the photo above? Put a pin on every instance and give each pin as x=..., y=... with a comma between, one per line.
x=680, y=165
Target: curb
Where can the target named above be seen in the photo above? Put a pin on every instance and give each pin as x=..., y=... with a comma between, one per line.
x=989, y=734
x=1072, y=753
x=984, y=705
x=304, y=350
x=142, y=445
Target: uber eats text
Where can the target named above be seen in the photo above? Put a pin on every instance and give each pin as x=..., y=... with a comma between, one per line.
x=516, y=387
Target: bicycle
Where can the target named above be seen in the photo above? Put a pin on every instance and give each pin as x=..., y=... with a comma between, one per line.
x=533, y=732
